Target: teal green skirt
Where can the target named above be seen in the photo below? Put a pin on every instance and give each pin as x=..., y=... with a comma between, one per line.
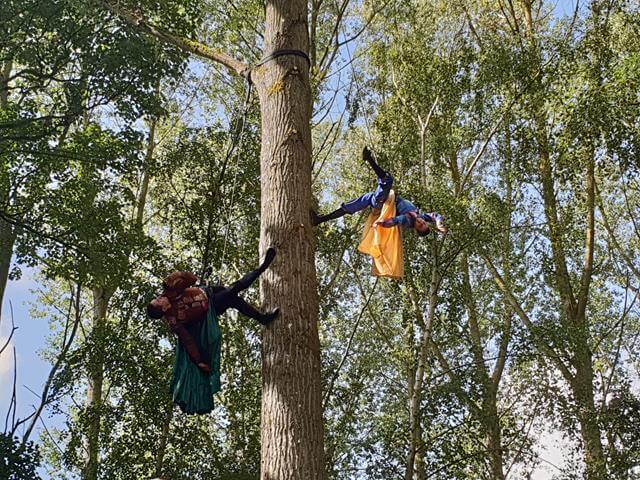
x=192, y=390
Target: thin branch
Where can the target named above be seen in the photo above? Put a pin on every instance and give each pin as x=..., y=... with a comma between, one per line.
x=488, y=139
x=605, y=221
x=13, y=330
x=45, y=399
x=12, y=403
x=347, y=349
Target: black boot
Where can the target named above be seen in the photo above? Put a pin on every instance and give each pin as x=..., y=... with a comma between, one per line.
x=267, y=318
x=268, y=258
x=318, y=219
x=367, y=156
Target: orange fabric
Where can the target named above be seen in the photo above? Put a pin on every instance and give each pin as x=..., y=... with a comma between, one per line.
x=384, y=244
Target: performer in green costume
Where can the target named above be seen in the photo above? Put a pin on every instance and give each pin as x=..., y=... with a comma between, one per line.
x=192, y=313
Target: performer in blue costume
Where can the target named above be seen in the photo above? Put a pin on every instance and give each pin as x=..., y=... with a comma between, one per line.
x=407, y=216
x=192, y=313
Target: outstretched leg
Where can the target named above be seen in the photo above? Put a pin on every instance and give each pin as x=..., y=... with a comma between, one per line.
x=367, y=156
x=371, y=199
x=318, y=219
x=246, y=281
x=251, y=312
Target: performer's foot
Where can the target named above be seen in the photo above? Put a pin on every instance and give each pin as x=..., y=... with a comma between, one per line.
x=315, y=218
x=367, y=156
x=269, y=317
x=204, y=367
x=269, y=255
x=318, y=219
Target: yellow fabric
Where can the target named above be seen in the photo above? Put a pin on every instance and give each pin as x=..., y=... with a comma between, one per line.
x=384, y=244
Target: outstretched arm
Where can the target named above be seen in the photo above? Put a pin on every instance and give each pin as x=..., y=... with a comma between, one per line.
x=392, y=222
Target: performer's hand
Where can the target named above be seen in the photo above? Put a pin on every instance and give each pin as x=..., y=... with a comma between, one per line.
x=204, y=367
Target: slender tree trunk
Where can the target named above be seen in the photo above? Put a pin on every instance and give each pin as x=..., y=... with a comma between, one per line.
x=162, y=445
x=96, y=378
x=291, y=431
x=7, y=241
x=5, y=73
x=493, y=433
x=415, y=458
x=146, y=174
x=7, y=231
x=575, y=308
x=582, y=388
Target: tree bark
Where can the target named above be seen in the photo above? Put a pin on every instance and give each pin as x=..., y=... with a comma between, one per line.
x=291, y=431
x=96, y=379
x=5, y=74
x=415, y=457
x=7, y=241
x=7, y=231
x=162, y=444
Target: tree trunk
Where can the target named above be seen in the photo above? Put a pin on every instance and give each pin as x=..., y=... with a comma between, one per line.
x=493, y=433
x=291, y=431
x=146, y=174
x=582, y=388
x=5, y=74
x=7, y=231
x=96, y=377
x=162, y=444
x=7, y=240
x=415, y=458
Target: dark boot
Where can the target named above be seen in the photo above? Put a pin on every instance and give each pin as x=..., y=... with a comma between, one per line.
x=367, y=156
x=268, y=258
x=318, y=219
x=267, y=318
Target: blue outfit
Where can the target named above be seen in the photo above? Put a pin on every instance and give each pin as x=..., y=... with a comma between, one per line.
x=406, y=211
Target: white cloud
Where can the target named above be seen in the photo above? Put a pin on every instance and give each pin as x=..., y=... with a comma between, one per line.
x=552, y=455
x=6, y=361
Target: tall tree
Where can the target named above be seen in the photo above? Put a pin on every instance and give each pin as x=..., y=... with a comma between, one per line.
x=292, y=433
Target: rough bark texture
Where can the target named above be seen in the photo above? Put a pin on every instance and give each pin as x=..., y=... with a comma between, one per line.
x=292, y=433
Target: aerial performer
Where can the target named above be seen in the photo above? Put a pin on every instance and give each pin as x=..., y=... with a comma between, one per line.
x=382, y=239
x=192, y=313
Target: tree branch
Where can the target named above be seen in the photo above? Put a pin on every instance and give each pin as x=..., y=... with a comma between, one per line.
x=184, y=44
x=511, y=299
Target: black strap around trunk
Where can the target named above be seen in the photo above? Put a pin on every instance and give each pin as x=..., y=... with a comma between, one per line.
x=281, y=53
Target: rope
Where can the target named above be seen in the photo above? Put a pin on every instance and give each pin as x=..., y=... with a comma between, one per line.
x=239, y=131
x=365, y=116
